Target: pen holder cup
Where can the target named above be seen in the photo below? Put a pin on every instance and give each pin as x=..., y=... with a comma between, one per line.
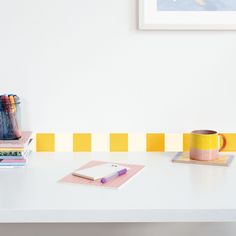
x=10, y=120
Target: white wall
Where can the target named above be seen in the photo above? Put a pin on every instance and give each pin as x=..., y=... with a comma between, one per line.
x=82, y=65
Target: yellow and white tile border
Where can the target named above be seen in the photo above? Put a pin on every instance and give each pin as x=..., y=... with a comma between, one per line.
x=118, y=142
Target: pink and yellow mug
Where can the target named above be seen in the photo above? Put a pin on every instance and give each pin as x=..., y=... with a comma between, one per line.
x=204, y=145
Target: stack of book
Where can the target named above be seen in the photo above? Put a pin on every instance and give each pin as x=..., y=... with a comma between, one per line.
x=15, y=152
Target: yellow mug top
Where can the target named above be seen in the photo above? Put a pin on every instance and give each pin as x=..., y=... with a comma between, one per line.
x=204, y=140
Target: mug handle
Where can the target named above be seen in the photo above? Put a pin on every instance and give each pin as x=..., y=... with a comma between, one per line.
x=224, y=142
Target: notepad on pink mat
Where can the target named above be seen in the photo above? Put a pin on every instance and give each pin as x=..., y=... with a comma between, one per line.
x=115, y=183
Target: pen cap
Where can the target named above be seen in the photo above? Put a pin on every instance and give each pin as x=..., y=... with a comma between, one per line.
x=10, y=117
x=122, y=172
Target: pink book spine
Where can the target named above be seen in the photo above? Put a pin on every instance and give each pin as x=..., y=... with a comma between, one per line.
x=13, y=161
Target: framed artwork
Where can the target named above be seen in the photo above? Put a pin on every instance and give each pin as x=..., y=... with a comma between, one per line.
x=187, y=14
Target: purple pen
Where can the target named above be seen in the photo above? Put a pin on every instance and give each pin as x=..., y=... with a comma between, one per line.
x=118, y=173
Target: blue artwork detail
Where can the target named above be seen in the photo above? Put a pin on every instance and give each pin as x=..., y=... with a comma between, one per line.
x=196, y=5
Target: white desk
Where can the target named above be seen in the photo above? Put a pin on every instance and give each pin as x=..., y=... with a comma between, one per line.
x=162, y=192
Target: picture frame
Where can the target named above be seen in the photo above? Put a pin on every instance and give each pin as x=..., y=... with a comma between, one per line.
x=150, y=18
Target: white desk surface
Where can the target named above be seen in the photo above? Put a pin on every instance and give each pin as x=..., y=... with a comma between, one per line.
x=162, y=192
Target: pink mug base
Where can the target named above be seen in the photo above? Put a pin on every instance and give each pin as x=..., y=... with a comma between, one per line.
x=203, y=155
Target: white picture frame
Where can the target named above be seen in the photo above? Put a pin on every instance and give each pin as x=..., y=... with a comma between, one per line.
x=152, y=19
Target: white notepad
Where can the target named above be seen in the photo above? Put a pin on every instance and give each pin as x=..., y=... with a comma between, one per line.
x=100, y=171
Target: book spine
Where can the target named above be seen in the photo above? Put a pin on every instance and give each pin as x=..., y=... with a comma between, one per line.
x=17, y=144
x=13, y=161
x=18, y=162
x=12, y=157
x=15, y=154
x=12, y=164
x=22, y=155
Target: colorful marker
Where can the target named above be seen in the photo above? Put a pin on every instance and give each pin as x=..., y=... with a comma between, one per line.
x=1, y=119
x=8, y=105
x=112, y=176
x=11, y=109
x=12, y=101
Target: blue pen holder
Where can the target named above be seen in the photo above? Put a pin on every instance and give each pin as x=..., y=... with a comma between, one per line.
x=10, y=117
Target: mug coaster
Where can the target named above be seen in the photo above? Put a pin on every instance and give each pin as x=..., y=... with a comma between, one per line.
x=222, y=160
